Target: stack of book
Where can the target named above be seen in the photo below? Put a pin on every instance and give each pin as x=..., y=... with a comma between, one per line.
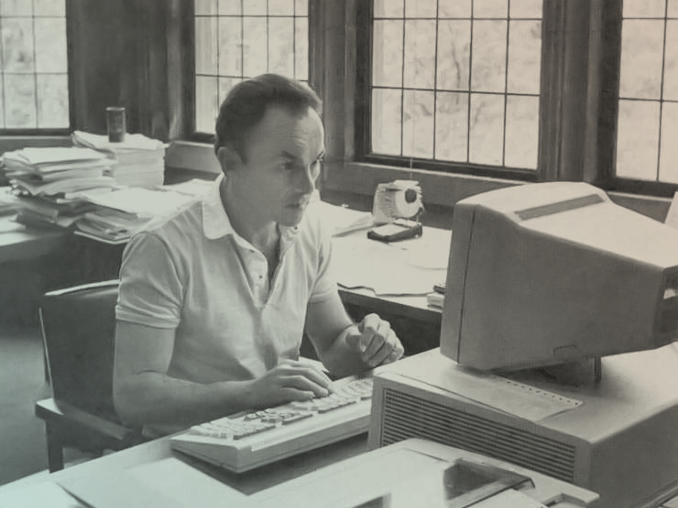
x=48, y=180
x=140, y=161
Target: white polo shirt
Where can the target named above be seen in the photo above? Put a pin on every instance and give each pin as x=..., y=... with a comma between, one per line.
x=193, y=273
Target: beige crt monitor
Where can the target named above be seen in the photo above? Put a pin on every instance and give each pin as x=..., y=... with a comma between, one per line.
x=549, y=273
x=542, y=274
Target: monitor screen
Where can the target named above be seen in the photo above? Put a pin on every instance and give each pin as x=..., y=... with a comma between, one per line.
x=551, y=273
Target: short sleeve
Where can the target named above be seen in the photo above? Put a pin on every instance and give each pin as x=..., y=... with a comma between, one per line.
x=325, y=283
x=150, y=286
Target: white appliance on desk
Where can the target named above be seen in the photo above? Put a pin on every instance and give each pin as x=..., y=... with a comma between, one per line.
x=620, y=440
x=420, y=473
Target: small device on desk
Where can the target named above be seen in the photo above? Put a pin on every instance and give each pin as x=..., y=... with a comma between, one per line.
x=396, y=209
x=249, y=440
x=417, y=472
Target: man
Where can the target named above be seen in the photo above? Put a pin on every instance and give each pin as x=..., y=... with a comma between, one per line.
x=215, y=299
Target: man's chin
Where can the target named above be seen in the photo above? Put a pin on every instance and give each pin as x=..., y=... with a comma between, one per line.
x=292, y=216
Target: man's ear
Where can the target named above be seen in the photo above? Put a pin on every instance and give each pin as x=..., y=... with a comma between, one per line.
x=229, y=159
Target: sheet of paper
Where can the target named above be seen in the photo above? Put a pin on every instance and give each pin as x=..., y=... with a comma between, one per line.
x=42, y=494
x=383, y=268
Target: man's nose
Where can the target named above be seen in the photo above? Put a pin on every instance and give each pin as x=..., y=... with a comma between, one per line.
x=306, y=180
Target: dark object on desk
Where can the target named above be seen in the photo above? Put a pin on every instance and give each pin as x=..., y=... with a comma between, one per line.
x=400, y=229
x=78, y=328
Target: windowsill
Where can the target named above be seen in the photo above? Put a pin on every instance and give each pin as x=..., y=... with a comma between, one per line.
x=441, y=190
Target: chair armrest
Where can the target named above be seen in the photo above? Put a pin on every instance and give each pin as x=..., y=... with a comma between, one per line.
x=50, y=409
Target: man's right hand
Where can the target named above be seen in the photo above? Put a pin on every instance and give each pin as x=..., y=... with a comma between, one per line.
x=288, y=381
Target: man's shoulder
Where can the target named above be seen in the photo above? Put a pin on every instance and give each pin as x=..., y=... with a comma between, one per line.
x=185, y=222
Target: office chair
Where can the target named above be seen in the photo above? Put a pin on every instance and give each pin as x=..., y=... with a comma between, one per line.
x=78, y=330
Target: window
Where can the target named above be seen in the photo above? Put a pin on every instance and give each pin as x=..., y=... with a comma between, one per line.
x=238, y=39
x=647, y=146
x=34, y=66
x=456, y=81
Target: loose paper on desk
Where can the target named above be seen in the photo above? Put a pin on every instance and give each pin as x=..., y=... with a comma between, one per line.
x=41, y=494
x=387, y=269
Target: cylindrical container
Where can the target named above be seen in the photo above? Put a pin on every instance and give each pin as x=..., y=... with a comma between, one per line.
x=115, y=124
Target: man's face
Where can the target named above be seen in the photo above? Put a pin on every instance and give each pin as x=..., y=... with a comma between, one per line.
x=282, y=163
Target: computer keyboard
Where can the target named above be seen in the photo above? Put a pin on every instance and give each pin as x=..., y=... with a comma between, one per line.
x=249, y=440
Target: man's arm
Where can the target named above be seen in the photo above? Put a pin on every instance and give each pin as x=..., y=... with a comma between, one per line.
x=346, y=348
x=145, y=395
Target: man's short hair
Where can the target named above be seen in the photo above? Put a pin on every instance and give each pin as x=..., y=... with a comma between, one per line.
x=246, y=104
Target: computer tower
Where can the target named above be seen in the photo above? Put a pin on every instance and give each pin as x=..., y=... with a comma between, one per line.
x=617, y=437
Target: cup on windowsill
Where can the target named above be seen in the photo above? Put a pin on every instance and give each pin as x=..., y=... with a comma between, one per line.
x=115, y=124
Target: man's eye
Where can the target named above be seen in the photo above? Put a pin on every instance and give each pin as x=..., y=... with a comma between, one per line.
x=289, y=166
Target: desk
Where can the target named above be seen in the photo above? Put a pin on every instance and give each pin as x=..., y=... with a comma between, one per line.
x=151, y=475
x=28, y=243
x=424, y=260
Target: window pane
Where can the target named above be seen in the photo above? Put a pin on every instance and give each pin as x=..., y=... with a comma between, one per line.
x=206, y=105
x=34, y=65
x=205, y=7
x=387, y=59
x=672, y=9
x=644, y=8
x=452, y=127
x=52, y=101
x=671, y=62
x=486, y=138
x=17, y=45
x=420, y=8
x=301, y=48
x=638, y=139
x=489, y=56
x=386, y=107
x=230, y=47
x=281, y=8
x=229, y=7
x=668, y=161
x=50, y=8
x=454, y=45
x=420, y=40
x=246, y=39
x=524, y=56
x=255, y=46
x=20, y=101
x=454, y=53
x=522, y=132
x=16, y=8
x=254, y=7
x=301, y=7
x=527, y=9
x=388, y=8
x=418, y=124
x=454, y=8
x=206, y=40
x=490, y=8
x=641, y=60
x=281, y=46
x=50, y=45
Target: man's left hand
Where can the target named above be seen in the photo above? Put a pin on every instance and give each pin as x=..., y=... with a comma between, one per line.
x=375, y=341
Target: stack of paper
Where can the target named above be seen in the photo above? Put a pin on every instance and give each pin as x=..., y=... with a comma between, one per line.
x=46, y=179
x=57, y=170
x=123, y=212
x=140, y=161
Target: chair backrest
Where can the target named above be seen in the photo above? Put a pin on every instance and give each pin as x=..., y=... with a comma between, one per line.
x=78, y=329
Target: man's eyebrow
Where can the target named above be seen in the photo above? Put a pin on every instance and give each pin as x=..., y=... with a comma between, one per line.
x=291, y=156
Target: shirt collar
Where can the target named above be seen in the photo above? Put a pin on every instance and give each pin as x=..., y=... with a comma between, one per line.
x=216, y=224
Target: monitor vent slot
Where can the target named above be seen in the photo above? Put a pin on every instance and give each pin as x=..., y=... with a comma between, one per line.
x=406, y=416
